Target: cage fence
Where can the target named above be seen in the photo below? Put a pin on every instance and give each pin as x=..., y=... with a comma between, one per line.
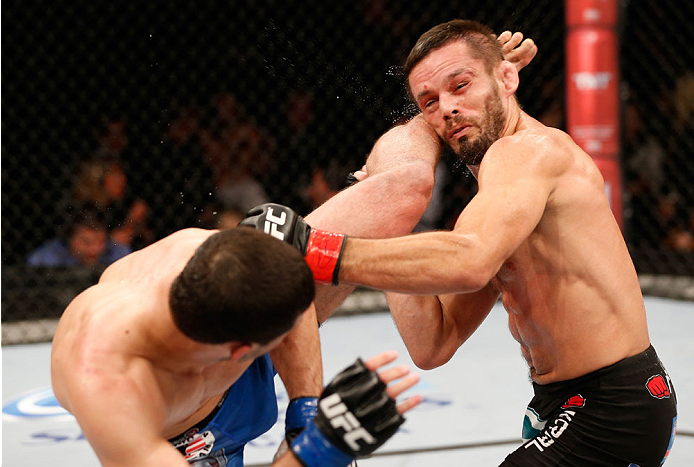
x=166, y=115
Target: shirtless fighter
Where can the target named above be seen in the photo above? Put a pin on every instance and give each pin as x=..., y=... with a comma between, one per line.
x=540, y=233
x=165, y=361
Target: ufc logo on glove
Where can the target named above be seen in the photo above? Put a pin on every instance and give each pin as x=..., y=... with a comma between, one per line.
x=321, y=249
x=337, y=436
x=272, y=222
x=340, y=417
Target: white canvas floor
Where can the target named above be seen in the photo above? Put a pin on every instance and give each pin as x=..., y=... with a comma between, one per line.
x=471, y=415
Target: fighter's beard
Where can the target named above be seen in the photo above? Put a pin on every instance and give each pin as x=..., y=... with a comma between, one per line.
x=471, y=152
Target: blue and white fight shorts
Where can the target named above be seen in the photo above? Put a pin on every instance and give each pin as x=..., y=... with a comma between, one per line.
x=247, y=410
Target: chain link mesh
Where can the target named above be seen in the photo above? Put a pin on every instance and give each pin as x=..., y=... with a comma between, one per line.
x=658, y=143
x=168, y=115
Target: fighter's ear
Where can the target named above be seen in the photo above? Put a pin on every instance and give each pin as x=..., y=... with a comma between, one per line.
x=241, y=351
x=509, y=77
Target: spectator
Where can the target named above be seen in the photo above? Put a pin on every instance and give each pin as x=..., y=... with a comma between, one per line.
x=684, y=99
x=644, y=173
x=85, y=243
x=237, y=151
x=113, y=140
x=551, y=97
x=102, y=181
x=325, y=183
x=229, y=218
x=674, y=219
x=297, y=128
x=182, y=176
x=679, y=238
x=215, y=216
x=185, y=125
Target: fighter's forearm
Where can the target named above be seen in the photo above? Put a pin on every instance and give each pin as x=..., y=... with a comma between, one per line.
x=298, y=358
x=413, y=141
x=431, y=263
x=384, y=205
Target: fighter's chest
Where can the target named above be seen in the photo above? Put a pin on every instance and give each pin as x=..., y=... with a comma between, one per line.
x=186, y=393
x=519, y=284
x=519, y=269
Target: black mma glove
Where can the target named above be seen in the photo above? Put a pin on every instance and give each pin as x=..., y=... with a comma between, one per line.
x=322, y=250
x=351, y=179
x=355, y=417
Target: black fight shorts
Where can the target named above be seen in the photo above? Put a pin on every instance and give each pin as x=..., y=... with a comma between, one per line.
x=622, y=415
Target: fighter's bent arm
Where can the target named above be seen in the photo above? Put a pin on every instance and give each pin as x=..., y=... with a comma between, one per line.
x=434, y=327
x=407, y=158
x=397, y=191
x=515, y=182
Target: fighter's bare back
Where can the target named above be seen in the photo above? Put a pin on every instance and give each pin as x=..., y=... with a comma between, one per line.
x=119, y=332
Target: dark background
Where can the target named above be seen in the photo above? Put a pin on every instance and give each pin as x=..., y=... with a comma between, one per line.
x=69, y=68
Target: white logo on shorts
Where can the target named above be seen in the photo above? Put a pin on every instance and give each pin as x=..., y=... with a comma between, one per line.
x=532, y=424
x=200, y=445
x=547, y=437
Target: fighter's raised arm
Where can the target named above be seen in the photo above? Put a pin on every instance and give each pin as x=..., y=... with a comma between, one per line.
x=396, y=183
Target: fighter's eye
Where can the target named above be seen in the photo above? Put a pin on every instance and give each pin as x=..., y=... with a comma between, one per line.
x=429, y=103
x=461, y=85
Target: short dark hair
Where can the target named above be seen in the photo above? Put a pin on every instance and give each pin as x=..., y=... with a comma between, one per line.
x=479, y=38
x=241, y=285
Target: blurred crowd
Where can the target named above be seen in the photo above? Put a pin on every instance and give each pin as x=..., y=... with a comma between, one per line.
x=215, y=156
x=233, y=163
x=658, y=193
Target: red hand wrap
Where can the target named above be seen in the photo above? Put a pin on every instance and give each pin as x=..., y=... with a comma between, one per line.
x=323, y=254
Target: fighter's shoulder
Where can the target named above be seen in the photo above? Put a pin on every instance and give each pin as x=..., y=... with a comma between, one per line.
x=181, y=245
x=534, y=141
x=535, y=148
x=186, y=239
x=94, y=383
x=176, y=245
x=192, y=234
x=98, y=310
